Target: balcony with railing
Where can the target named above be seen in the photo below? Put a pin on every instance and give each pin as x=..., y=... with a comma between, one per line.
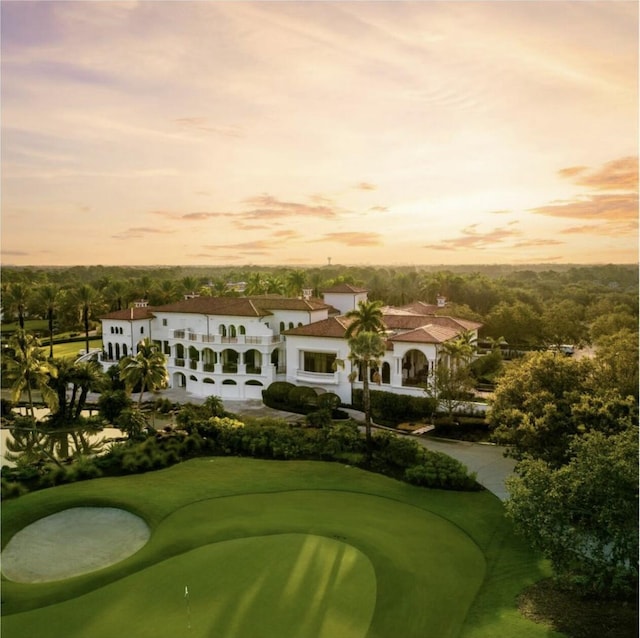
x=262, y=340
x=323, y=378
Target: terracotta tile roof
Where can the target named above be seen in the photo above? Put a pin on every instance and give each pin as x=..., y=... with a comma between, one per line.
x=331, y=327
x=348, y=288
x=410, y=322
x=130, y=313
x=278, y=302
x=229, y=306
x=421, y=308
x=427, y=334
x=392, y=310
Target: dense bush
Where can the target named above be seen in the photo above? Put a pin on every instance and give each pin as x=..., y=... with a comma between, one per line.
x=328, y=401
x=198, y=434
x=282, y=395
x=11, y=489
x=319, y=419
x=388, y=408
x=485, y=369
x=302, y=397
x=6, y=407
x=277, y=392
x=440, y=470
x=112, y=403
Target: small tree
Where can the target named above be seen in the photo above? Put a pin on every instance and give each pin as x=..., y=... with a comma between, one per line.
x=148, y=367
x=28, y=369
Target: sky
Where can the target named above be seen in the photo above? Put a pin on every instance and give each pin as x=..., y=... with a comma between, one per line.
x=298, y=133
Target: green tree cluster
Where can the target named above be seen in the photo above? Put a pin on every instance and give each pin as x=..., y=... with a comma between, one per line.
x=574, y=494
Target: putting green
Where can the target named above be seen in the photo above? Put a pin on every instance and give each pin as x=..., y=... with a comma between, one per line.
x=246, y=587
x=353, y=554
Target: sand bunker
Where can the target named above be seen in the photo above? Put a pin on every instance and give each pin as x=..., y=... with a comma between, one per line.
x=73, y=542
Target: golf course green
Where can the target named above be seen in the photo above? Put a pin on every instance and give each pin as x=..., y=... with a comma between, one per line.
x=266, y=549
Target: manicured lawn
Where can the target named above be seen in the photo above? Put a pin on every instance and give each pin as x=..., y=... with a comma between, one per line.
x=276, y=549
x=64, y=350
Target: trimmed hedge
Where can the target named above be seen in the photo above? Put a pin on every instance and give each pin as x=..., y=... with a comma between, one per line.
x=388, y=408
x=282, y=395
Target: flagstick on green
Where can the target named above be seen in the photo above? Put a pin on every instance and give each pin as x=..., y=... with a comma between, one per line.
x=188, y=605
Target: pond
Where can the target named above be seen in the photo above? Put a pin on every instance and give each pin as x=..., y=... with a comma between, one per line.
x=108, y=433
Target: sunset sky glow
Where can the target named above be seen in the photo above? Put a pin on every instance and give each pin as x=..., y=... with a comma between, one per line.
x=285, y=133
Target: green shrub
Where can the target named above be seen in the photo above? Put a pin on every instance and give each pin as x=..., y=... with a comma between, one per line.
x=112, y=403
x=11, y=489
x=391, y=409
x=278, y=391
x=301, y=396
x=396, y=451
x=441, y=471
x=319, y=419
x=328, y=401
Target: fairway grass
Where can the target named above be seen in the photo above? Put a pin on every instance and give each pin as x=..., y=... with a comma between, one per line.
x=275, y=549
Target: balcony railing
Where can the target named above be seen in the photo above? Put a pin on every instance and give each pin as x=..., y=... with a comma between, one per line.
x=317, y=377
x=240, y=339
x=179, y=363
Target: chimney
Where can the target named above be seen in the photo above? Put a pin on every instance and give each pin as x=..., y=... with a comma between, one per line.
x=441, y=301
x=306, y=293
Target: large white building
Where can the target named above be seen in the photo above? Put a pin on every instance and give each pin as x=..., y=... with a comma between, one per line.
x=235, y=347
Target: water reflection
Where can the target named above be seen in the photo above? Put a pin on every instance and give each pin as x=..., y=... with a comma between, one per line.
x=27, y=440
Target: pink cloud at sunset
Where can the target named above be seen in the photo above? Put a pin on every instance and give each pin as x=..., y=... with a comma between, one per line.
x=270, y=132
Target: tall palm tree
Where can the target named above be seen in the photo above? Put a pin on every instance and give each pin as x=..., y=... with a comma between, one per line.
x=116, y=294
x=256, y=284
x=189, y=284
x=47, y=298
x=296, y=280
x=87, y=300
x=367, y=317
x=148, y=367
x=366, y=350
x=316, y=280
x=28, y=369
x=15, y=301
x=87, y=377
x=275, y=285
x=164, y=292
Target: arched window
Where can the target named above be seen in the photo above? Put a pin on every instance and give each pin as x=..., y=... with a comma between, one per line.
x=291, y=325
x=282, y=326
x=386, y=372
x=232, y=331
x=241, y=330
x=222, y=329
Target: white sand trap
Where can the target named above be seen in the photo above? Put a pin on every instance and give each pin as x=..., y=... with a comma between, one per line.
x=73, y=542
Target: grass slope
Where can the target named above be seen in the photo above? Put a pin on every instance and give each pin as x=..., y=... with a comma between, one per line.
x=283, y=544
